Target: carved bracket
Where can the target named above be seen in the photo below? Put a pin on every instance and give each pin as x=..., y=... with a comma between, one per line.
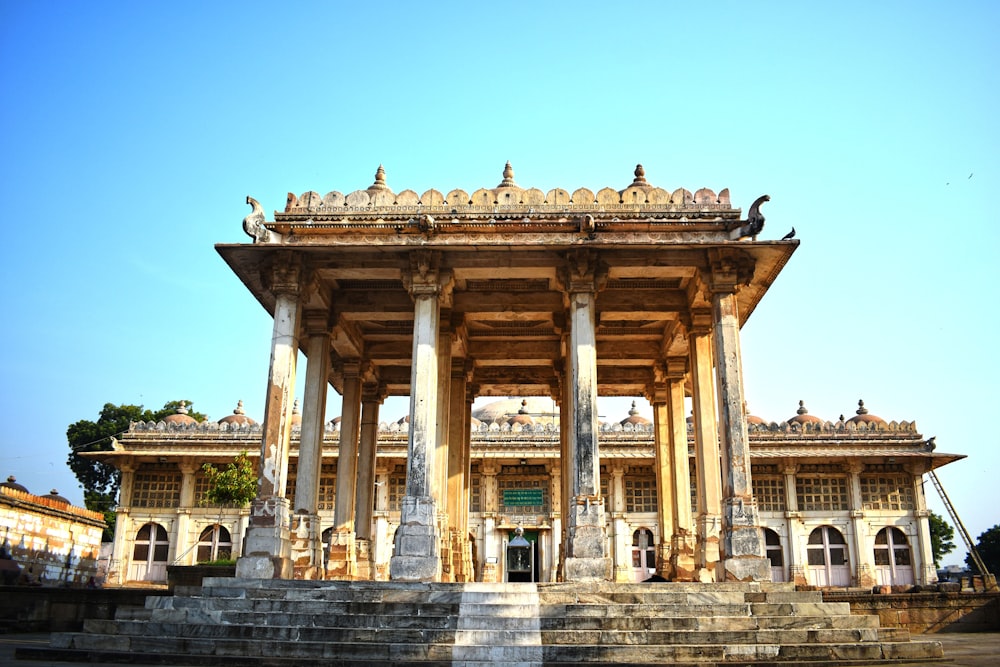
x=729, y=270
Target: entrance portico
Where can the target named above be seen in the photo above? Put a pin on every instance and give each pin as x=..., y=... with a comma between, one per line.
x=510, y=291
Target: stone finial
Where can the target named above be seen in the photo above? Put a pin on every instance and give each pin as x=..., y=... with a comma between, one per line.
x=239, y=408
x=802, y=409
x=524, y=401
x=508, y=177
x=182, y=408
x=862, y=410
x=633, y=412
x=640, y=176
x=11, y=479
x=379, y=183
x=295, y=407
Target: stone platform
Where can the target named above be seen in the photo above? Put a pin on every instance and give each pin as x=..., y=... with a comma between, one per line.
x=277, y=622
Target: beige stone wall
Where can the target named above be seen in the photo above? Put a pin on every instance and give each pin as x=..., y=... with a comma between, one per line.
x=54, y=543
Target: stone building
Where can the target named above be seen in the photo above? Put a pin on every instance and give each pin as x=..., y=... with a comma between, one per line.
x=511, y=291
x=841, y=503
x=47, y=541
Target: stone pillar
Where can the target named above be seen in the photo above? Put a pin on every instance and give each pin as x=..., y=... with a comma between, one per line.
x=659, y=399
x=380, y=541
x=621, y=536
x=120, y=556
x=417, y=554
x=706, y=438
x=927, y=573
x=458, y=473
x=342, y=557
x=555, y=492
x=797, y=556
x=491, y=505
x=372, y=396
x=683, y=539
x=306, y=531
x=863, y=557
x=181, y=543
x=267, y=552
x=586, y=555
x=742, y=544
x=443, y=449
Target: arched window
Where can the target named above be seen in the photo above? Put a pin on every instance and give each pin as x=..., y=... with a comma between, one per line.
x=149, y=554
x=214, y=544
x=893, y=565
x=643, y=554
x=827, y=557
x=774, y=552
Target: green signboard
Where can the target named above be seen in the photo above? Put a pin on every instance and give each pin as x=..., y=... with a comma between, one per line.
x=522, y=497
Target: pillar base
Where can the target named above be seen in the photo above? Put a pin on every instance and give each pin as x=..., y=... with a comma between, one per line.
x=342, y=560
x=588, y=569
x=461, y=558
x=747, y=568
x=267, y=546
x=306, y=547
x=586, y=559
x=363, y=560
x=682, y=557
x=417, y=551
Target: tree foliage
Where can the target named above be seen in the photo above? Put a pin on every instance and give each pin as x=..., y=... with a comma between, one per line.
x=988, y=546
x=235, y=485
x=101, y=481
x=942, y=535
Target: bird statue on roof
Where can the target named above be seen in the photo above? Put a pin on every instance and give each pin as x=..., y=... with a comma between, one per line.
x=755, y=221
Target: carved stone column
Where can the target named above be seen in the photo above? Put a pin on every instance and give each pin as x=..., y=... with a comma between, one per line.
x=372, y=395
x=267, y=553
x=443, y=449
x=417, y=555
x=306, y=532
x=586, y=556
x=742, y=541
x=555, y=492
x=706, y=448
x=683, y=538
x=120, y=555
x=458, y=473
x=928, y=571
x=621, y=536
x=342, y=557
x=659, y=399
x=182, y=538
x=864, y=557
x=491, y=505
x=797, y=553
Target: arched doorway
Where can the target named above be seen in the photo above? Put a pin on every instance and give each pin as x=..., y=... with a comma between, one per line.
x=774, y=552
x=827, y=557
x=214, y=543
x=149, y=554
x=893, y=565
x=643, y=554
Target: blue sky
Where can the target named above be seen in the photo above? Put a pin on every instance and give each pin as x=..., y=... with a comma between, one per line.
x=131, y=133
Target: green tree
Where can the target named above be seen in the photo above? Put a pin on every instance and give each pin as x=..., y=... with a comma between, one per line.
x=235, y=485
x=988, y=546
x=942, y=535
x=100, y=481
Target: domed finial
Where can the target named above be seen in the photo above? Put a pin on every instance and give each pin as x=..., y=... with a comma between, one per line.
x=802, y=409
x=508, y=177
x=239, y=408
x=633, y=412
x=640, y=174
x=295, y=407
x=11, y=479
x=182, y=408
x=841, y=417
x=524, y=407
x=862, y=410
x=379, y=183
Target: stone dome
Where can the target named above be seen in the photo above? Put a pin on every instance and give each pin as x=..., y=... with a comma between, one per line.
x=541, y=409
x=238, y=418
x=802, y=416
x=754, y=419
x=862, y=416
x=181, y=417
x=634, y=417
x=11, y=483
x=54, y=495
x=522, y=417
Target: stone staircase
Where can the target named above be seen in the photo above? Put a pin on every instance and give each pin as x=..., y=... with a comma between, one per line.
x=304, y=623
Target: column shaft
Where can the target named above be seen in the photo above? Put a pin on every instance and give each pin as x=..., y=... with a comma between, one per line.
x=664, y=479
x=682, y=553
x=706, y=437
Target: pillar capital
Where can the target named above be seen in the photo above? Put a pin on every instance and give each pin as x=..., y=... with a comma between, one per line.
x=701, y=321
x=729, y=269
x=284, y=275
x=316, y=322
x=582, y=272
x=675, y=368
x=425, y=276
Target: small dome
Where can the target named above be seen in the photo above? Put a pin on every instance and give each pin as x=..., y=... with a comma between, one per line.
x=542, y=409
x=11, y=483
x=474, y=424
x=802, y=416
x=634, y=417
x=862, y=416
x=752, y=419
x=522, y=417
x=54, y=495
x=238, y=417
x=181, y=417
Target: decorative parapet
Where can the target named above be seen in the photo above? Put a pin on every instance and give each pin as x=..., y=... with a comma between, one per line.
x=834, y=427
x=49, y=505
